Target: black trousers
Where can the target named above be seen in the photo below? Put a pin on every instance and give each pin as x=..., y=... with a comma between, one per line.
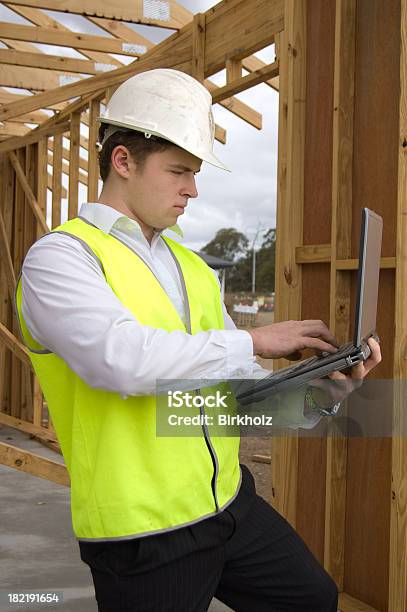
x=247, y=556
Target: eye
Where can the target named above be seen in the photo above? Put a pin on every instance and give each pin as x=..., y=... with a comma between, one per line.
x=176, y=171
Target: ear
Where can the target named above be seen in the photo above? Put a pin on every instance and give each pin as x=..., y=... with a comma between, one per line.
x=121, y=161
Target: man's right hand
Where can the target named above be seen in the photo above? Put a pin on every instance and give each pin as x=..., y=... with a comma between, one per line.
x=289, y=338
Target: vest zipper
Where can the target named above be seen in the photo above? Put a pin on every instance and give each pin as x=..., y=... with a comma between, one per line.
x=208, y=441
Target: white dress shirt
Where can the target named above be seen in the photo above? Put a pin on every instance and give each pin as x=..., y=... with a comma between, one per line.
x=71, y=310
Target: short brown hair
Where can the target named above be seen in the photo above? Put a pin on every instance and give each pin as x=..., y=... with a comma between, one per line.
x=138, y=145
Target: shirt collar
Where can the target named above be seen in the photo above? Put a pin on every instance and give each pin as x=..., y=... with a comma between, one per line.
x=105, y=217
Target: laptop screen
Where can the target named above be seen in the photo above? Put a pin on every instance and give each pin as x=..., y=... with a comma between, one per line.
x=368, y=279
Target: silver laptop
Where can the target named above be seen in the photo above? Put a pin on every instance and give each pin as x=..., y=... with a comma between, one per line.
x=348, y=354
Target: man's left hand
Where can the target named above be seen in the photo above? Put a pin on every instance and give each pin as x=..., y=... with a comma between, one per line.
x=339, y=385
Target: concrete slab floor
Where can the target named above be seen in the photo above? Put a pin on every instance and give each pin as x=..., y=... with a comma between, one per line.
x=38, y=550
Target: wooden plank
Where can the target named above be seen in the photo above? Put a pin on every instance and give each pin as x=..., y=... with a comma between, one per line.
x=42, y=181
x=220, y=134
x=39, y=18
x=30, y=234
x=17, y=255
x=34, y=464
x=12, y=128
x=33, y=136
x=239, y=28
x=352, y=264
x=321, y=253
x=245, y=82
x=233, y=70
x=53, y=62
x=261, y=458
x=76, y=40
x=82, y=177
x=198, y=46
x=27, y=427
x=237, y=107
x=375, y=176
x=93, y=164
x=56, y=181
x=350, y=604
x=7, y=262
x=254, y=63
x=135, y=12
x=398, y=516
x=6, y=204
x=340, y=284
x=74, y=165
x=290, y=201
x=83, y=163
x=34, y=78
x=120, y=30
x=313, y=253
x=28, y=193
x=7, y=97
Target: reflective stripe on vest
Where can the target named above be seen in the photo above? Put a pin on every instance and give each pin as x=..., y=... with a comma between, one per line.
x=125, y=480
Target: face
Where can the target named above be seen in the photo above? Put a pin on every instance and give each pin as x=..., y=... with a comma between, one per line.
x=158, y=192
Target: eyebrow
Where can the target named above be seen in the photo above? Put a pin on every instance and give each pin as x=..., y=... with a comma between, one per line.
x=184, y=168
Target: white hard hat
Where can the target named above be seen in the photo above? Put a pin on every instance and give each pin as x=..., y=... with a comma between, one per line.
x=169, y=104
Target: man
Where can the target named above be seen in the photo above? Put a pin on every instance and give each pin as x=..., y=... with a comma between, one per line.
x=108, y=305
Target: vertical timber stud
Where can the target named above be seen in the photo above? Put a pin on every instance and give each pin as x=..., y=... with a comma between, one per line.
x=233, y=70
x=42, y=180
x=17, y=254
x=398, y=517
x=198, y=46
x=93, y=166
x=74, y=165
x=292, y=48
x=340, y=287
x=56, y=180
x=8, y=182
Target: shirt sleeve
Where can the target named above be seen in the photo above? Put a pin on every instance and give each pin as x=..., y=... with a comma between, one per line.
x=71, y=310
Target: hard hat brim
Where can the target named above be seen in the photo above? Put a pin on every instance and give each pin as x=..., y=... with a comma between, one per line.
x=206, y=156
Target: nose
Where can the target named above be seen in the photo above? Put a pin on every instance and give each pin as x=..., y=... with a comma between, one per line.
x=189, y=188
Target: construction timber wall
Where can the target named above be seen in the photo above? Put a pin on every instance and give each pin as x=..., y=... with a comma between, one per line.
x=342, y=146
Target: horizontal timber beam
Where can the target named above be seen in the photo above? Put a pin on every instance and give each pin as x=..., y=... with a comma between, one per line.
x=35, y=78
x=53, y=62
x=49, y=36
x=254, y=63
x=245, y=82
x=27, y=427
x=168, y=13
x=34, y=464
x=321, y=253
x=15, y=346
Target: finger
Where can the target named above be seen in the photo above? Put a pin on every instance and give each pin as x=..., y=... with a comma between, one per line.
x=337, y=375
x=319, y=345
x=376, y=355
x=317, y=329
x=359, y=370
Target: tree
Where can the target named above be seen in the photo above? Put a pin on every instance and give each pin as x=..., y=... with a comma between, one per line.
x=266, y=262
x=227, y=244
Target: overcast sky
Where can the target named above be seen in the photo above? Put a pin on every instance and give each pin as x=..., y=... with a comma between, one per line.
x=246, y=197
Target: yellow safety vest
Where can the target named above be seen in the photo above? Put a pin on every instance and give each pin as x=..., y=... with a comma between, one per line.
x=125, y=480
